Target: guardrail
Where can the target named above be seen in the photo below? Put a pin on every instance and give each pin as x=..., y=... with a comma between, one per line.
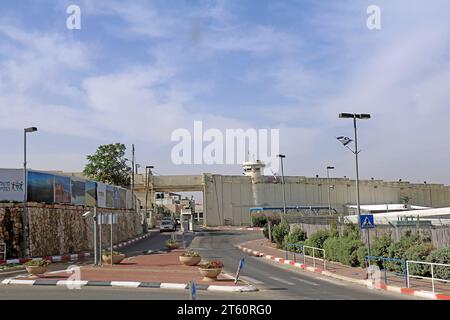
x=303, y=250
x=432, y=269
x=379, y=258
x=3, y=250
x=314, y=257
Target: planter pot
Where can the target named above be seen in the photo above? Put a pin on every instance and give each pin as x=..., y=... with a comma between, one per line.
x=117, y=258
x=190, y=261
x=172, y=246
x=210, y=274
x=36, y=270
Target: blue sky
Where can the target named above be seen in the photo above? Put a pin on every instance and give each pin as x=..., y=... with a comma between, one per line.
x=137, y=71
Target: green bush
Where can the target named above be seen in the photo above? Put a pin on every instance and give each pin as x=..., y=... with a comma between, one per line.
x=440, y=256
x=419, y=252
x=348, y=251
x=351, y=231
x=345, y=250
x=331, y=247
x=259, y=221
x=280, y=231
x=296, y=235
x=380, y=248
x=361, y=254
x=318, y=238
x=398, y=249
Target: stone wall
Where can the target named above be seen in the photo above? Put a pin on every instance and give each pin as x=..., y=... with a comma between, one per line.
x=59, y=229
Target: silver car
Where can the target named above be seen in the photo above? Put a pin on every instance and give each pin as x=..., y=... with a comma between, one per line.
x=167, y=225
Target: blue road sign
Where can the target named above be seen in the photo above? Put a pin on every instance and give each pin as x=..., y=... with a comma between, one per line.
x=366, y=221
x=193, y=290
x=241, y=265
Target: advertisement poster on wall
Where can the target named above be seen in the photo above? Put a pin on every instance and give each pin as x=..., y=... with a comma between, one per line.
x=91, y=193
x=78, y=191
x=129, y=200
x=101, y=195
x=109, y=196
x=11, y=185
x=116, y=197
x=122, y=198
x=62, y=189
x=40, y=187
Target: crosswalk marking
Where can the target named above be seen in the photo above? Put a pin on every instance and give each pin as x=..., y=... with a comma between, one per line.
x=305, y=281
x=283, y=281
x=250, y=279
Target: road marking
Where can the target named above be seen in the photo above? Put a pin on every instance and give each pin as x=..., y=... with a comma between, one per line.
x=337, y=283
x=283, y=281
x=306, y=281
x=250, y=279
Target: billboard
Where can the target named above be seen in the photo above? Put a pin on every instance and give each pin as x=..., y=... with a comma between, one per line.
x=101, y=195
x=78, y=191
x=11, y=185
x=122, y=198
x=62, y=189
x=40, y=187
x=91, y=193
x=109, y=196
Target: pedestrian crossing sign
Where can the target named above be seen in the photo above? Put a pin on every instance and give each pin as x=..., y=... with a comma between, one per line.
x=366, y=221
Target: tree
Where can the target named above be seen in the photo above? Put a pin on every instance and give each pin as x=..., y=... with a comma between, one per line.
x=108, y=165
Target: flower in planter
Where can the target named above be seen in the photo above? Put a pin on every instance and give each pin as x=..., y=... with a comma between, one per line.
x=214, y=264
x=37, y=263
x=108, y=253
x=172, y=243
x=190, y=253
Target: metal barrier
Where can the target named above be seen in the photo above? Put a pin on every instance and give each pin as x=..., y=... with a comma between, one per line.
x=378, y=258
x=3, y=250
x=433, y=278
x=314, y=249
x=302, y=250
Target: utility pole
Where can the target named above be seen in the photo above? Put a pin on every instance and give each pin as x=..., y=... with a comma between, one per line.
x=282, y=156
x=329, y=188
x=132, y=177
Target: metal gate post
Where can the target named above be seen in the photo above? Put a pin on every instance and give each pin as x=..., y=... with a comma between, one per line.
x=407, y=274
x=314, y=257
x=432, y=277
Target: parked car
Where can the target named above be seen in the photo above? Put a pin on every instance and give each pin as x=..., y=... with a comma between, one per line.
x=167, y=225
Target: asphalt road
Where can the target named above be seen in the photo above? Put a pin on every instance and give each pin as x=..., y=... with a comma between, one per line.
x=273, y=281
x=280, y=281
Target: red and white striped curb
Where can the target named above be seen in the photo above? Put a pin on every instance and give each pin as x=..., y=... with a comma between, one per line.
x=68, y=257
x=252, y=252
x=368, y=283
x=236, y=228
x=126, y=243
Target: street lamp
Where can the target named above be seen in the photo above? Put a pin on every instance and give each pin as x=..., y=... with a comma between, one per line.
x=282, y=156
x=147, y=174
x=329, y=188
x=345, y=141
x=93, y=214
x=25, y=248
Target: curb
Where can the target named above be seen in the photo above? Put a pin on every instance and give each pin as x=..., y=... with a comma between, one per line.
x=128, y=284
x=368, y=283
x=69, y=257
x=235, y=228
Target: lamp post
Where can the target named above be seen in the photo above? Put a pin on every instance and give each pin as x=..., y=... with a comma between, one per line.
x=132, y=177
x=25, y=247
x=329, y=188
x=147, y=174
x=345, y=141
x=282, y=156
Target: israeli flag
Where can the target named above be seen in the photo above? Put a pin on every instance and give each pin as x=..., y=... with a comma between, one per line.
x=344, y=140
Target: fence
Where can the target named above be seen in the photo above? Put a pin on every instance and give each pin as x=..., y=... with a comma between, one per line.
x=432, y=269
x=384, y=260
x=3, y=250
x=303, y=250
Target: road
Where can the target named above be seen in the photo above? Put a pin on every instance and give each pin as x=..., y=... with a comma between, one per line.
x=273, y=281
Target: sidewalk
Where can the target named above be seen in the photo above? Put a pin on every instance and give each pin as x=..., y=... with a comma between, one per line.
x=162, y=269
x=263, y=248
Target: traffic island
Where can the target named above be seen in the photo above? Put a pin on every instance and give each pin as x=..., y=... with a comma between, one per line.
x=158, y=270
